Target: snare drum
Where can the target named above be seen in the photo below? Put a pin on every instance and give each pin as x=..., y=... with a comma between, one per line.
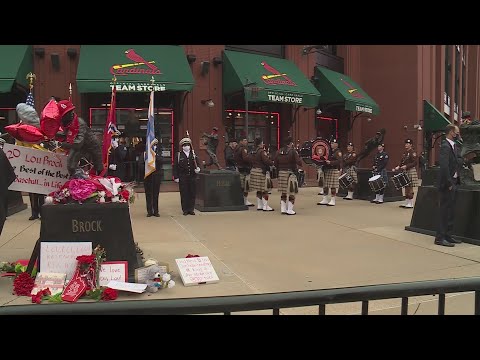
x=400, y=180
x=345, y=180
x=376, y=183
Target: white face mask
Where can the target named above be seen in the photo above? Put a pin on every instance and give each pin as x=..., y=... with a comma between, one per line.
x=186, y=148
x=114, y=143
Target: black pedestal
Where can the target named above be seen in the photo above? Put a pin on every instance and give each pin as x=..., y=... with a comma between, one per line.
x=425, y=214
x=430, y=176
x=364, y=192
x=15, y=202
x=219, y=190
x=107, y=225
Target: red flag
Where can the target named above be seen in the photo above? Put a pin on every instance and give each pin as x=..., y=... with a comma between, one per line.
x=110, y=129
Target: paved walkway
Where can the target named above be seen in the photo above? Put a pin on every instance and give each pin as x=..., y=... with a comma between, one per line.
x=354, y=243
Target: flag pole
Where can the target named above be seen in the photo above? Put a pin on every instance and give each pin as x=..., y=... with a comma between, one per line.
x=31, y=77
x=70, y=92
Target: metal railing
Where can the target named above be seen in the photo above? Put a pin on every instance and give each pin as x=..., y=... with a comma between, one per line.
x=274, y=301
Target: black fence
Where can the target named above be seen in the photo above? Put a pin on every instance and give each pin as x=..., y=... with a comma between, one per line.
x=275, y=301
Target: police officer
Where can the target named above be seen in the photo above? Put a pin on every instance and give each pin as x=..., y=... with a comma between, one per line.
x=185, y=169
x=152, y=182
x=380, y=167
x=349, y=161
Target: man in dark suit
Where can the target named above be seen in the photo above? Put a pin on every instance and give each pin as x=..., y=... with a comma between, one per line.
x=448, y=181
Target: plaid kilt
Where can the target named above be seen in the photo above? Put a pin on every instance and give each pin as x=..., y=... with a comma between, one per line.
x=283, y=183
x=331, y=178
x=243, y=183
x=258, y=180
x=351, y=171
x=412, y=175
x=320, y=177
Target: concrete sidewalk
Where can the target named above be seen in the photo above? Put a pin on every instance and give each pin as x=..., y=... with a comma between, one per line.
x=354, y=243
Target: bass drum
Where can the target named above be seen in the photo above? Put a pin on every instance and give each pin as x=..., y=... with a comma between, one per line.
x=319, y=147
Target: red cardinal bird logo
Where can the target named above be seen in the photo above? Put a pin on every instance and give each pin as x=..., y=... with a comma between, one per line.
x=275, y=77
x=132, y=55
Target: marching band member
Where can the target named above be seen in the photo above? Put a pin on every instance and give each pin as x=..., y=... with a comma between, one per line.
x=287, y=161
x=380, y=167
x=258, y=178
x=407, y=165
x=319, y=162
x=349, y=160
x=332, y=173
x=244, y=164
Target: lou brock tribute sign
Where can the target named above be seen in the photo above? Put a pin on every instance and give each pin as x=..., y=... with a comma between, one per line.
x=196, y=271
x=38, y=171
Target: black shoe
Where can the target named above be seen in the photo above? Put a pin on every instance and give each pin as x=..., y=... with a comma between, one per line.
x=156, y=215
x=452, y=240
x=149, y=215
x=444, y=242
x=33, y=217
x=191, y=212
x=185, y=213
x=374, y=201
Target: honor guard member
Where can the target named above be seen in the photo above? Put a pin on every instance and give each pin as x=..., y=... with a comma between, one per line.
x=407, y=165
x=349, y=161
x=230, y=155
x=258, y=179
x=380, y=168
x=116, y=159
x=185, y=169
x=243, y=162
x=332, y=173
x=287, y=162
x=151, y=183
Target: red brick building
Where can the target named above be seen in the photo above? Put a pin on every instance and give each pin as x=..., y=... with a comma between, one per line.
x=345, y=91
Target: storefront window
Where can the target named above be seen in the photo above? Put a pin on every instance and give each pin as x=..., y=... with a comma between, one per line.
x=327, y=127
x=263, y=124
x=7, y=116
x=132, y=122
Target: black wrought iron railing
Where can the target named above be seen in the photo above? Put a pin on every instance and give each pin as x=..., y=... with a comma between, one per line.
x=275, y=301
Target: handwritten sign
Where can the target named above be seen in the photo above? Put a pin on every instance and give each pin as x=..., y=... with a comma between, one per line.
x=53, y=281
x=38, y=171
x=113, y=270
x=196, y=271
x=61, y=257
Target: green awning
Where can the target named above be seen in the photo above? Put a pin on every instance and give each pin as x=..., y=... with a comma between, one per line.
x=339, y=88
x=133, y=66
x=269, y=79
x=433, y=120
x=16, y=61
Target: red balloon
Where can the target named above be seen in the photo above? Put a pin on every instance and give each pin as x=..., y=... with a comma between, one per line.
x=24, y=132
x=50, y=119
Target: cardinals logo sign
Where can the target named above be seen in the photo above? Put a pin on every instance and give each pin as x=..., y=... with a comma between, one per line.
x=352, y=91
x=138, y=66
x=275, y=77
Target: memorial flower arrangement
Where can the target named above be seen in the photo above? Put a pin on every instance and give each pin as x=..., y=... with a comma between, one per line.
x=96, y=189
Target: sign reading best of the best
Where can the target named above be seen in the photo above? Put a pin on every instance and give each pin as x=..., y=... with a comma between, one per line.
x=38, y=171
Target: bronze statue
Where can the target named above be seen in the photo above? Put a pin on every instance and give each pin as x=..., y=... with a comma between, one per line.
x=371, y=144
x=470, y=152
x=211, y=140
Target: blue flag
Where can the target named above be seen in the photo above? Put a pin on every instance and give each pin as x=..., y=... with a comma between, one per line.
x=149, y=152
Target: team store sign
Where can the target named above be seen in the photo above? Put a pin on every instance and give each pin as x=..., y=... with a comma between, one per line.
x=137, y=87
x=37, y=171
x=288, y=98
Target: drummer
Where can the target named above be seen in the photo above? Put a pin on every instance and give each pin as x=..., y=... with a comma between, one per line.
x=349, y=160
x=331, y=174
x=319, y=159
x=380, y=168
x=407, y=165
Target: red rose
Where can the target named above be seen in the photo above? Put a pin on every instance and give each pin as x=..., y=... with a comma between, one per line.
x=23, y=284
x=37, y=298
x=125, y=194
x=86, y=259
x=109, y=294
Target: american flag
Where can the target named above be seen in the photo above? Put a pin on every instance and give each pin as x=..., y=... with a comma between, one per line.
x=30, y=101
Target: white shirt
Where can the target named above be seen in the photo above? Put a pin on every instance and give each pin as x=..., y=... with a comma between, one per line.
x=452, y=144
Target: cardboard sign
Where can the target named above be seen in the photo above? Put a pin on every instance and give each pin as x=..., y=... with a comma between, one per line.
x=196, y=271
x=113, y=270
x=38, y=171
x=55, y=282
x=61, y=257
x=130, y=287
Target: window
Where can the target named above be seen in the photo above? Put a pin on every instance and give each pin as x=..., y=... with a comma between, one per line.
x=457, y=79
x=269, y=50
x=448, y=70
